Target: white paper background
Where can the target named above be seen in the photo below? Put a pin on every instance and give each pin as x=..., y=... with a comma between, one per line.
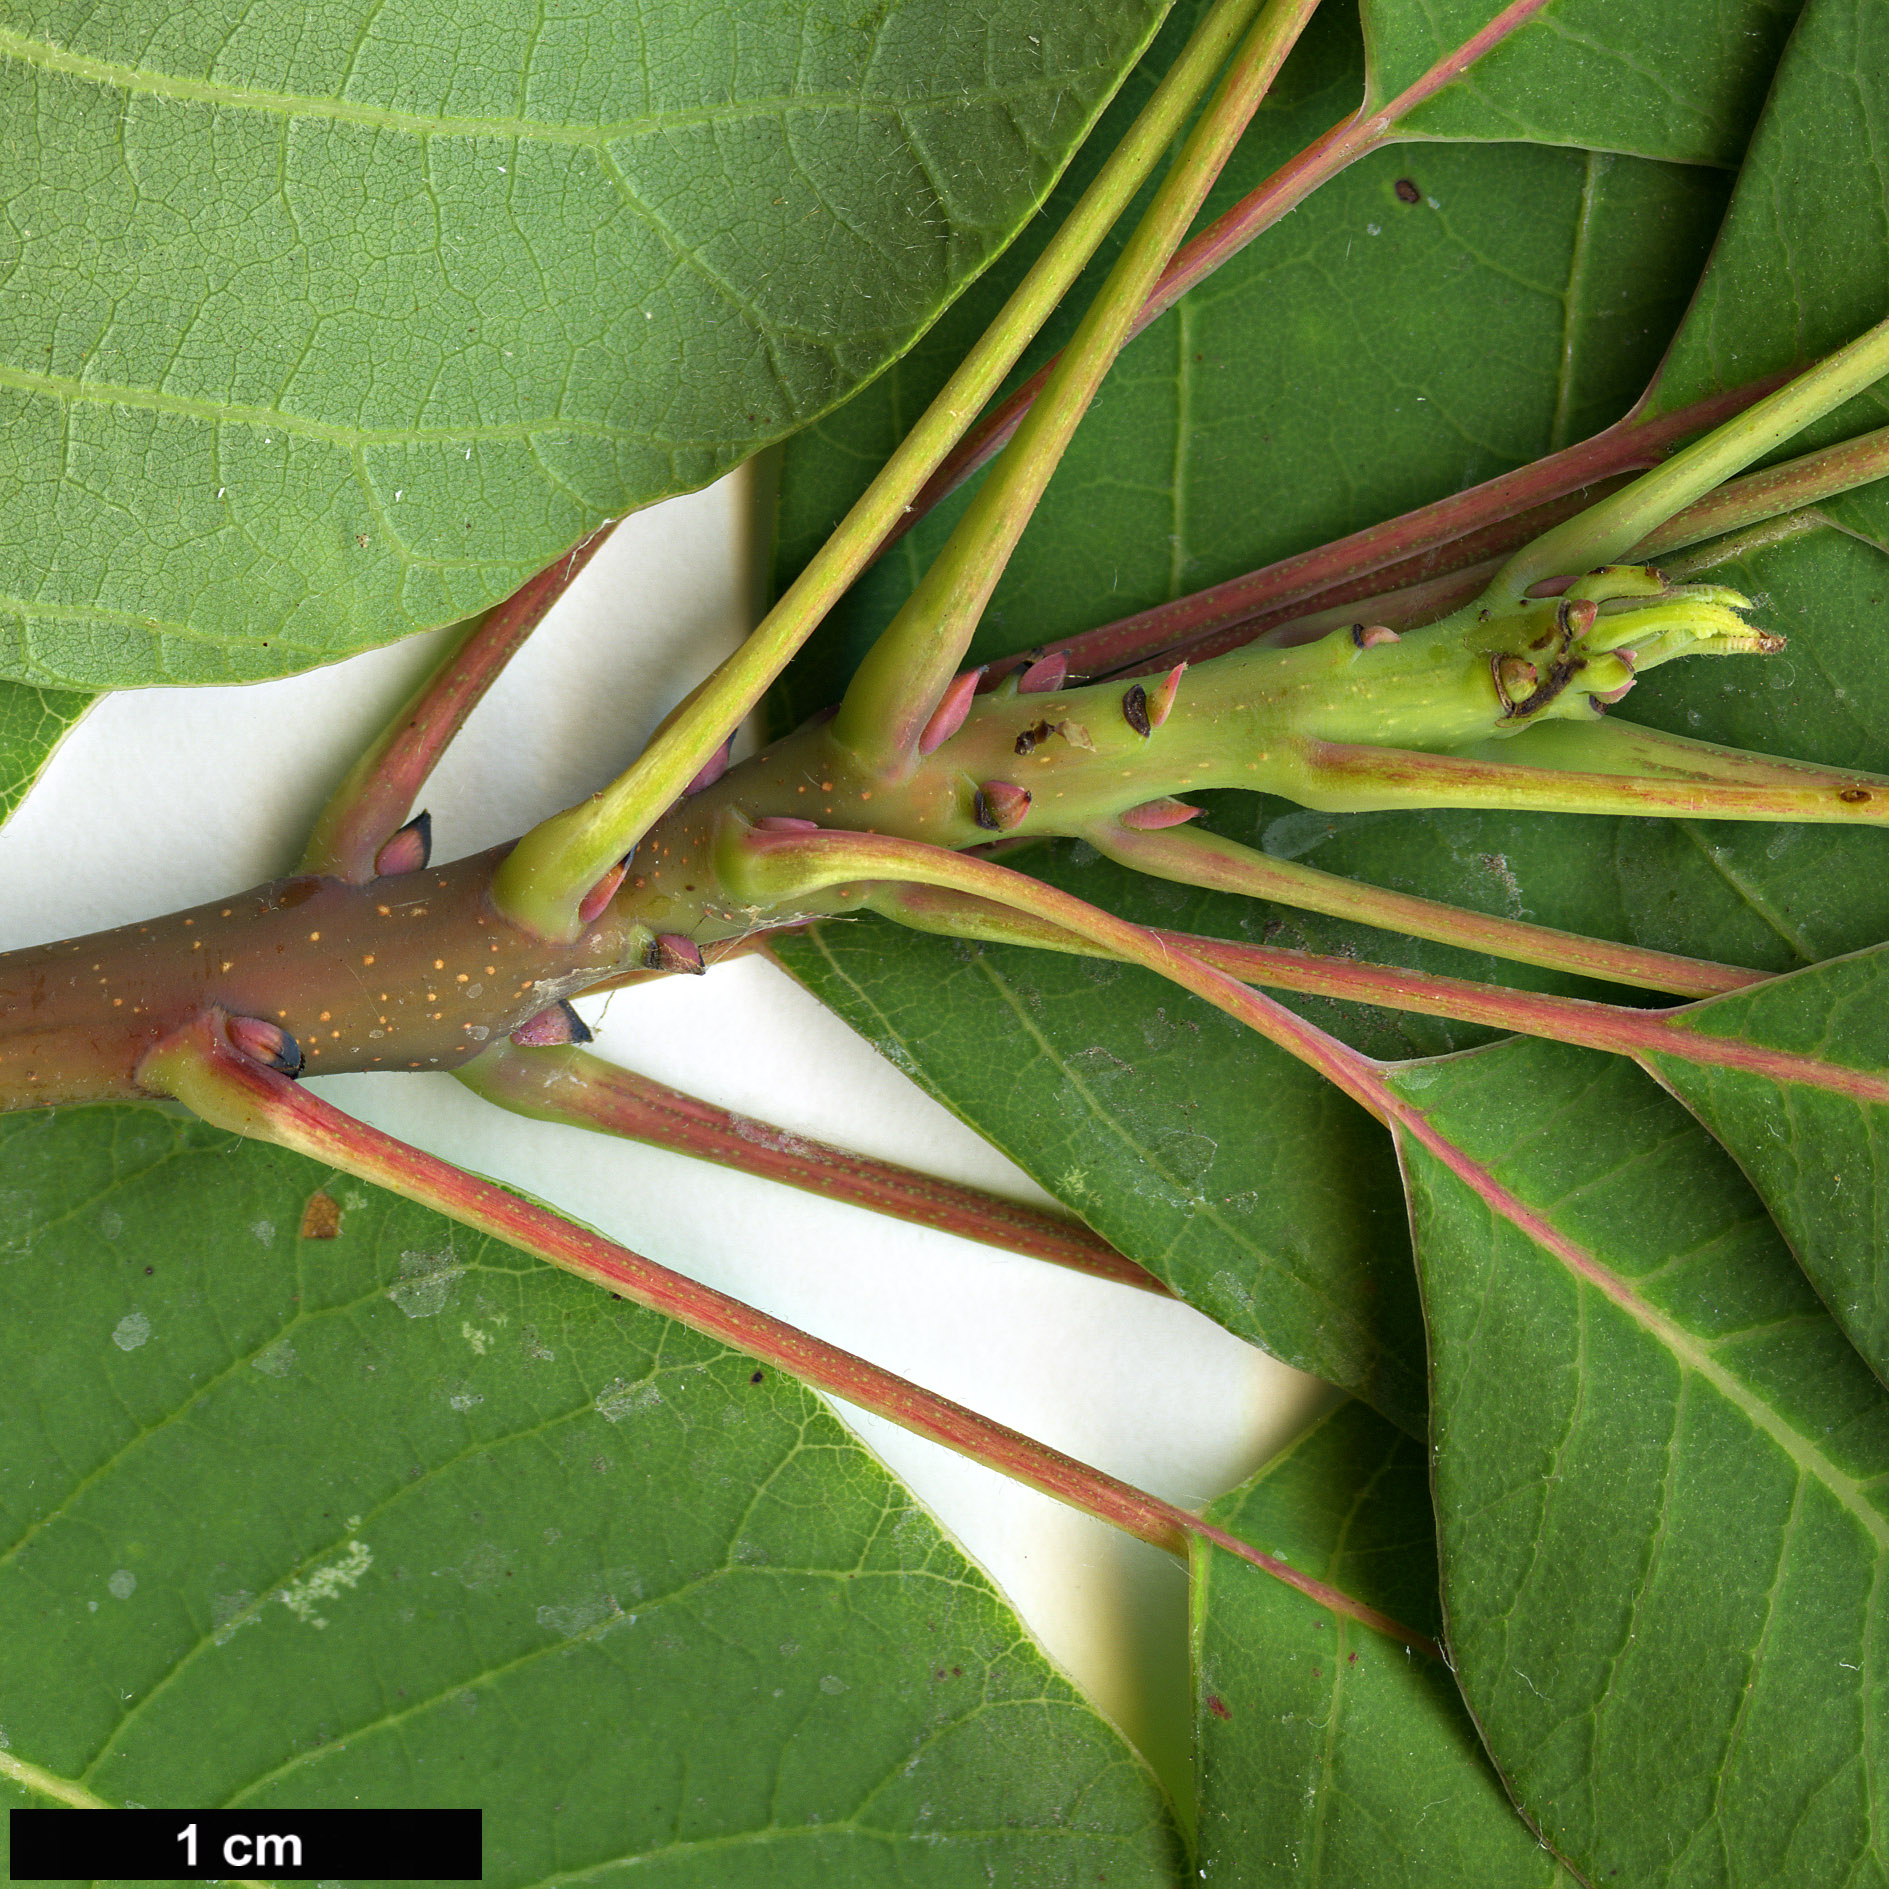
x=165, y=798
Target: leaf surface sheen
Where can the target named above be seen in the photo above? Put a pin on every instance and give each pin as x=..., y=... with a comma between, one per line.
x=1661, y=1480
x=318, y=329
x=1328, y=1752
x=398, y=1516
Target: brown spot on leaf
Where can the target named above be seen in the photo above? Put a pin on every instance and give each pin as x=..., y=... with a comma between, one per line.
x=1854, y=796
x=321, y=1218
x=1218, y=1706
x=1407, y=191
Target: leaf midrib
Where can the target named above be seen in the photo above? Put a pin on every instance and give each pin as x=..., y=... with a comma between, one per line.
x=117, y=76
x=1688, y=1351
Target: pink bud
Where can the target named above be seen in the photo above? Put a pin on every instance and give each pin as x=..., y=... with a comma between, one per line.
x=948, y=717
x=786, y=823
x=671, y=951
x=1046, y=676
x=408, y=850
x=552, y=1029
x=600, y=895
x=1152, y=815
x=1000, y=805
x=1161, y=702
x=1369, y=636
x=712, y=769
x=266, y=1043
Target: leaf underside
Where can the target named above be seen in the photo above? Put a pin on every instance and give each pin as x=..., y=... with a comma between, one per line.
x=313, y=336
x=316, y=1498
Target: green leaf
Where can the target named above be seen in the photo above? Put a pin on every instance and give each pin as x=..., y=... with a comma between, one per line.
x=1802, y=266
x=1328, y=1751
x=32, y=723
x=1234, y=1174
x=398, y=1516
x=1662, y=1482
x=1814, y=1152
x=318, y=333
x=1681, y=81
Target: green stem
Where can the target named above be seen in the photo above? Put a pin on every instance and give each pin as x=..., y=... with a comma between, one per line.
x=1607, y=532
x=900, y=682
x=542, y=882
x=1188, y=856
x=1357, y=135
x=572, y=1086
x=1607, y=767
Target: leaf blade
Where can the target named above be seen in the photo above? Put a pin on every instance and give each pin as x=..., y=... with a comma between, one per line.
x=1655, y=1637
x=1325, y=1749
x=487, y=1482
x=348, y=351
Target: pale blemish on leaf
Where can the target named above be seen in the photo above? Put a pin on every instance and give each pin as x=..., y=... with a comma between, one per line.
x=302, y=1597
x=122, y=1584
x=620, y=1398
x=426, y=1282
x=481, y=1342
x=229, y=1613
x=276, y=1360
x=263, y=1232
x=131, y=1331
x=584, y=1616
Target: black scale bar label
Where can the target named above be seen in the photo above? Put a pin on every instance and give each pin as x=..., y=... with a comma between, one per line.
x=263, y=1845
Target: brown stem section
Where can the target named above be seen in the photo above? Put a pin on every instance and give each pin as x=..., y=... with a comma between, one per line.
x=379, y=791
x=1350, y=139
x=575, y=1087
x=200, y=1067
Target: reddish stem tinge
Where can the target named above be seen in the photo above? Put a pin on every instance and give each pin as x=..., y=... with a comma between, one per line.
x=573, y=1086
x=202, y=1069
x=1491, y=517
x=379, y=791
